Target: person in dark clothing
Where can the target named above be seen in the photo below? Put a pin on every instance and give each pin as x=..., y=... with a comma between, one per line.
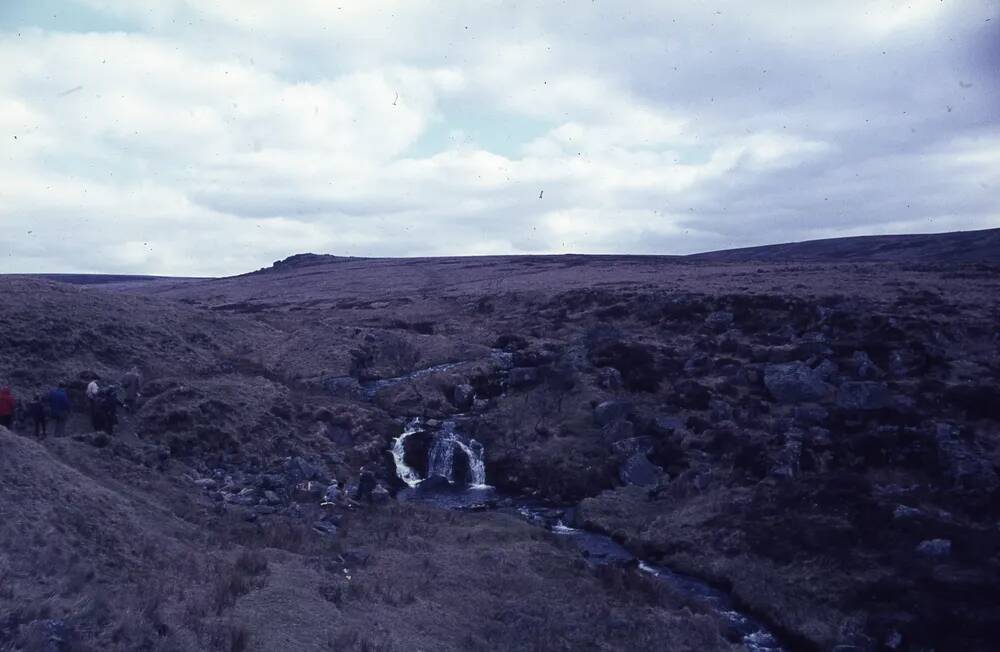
x=36, y=412
x=7, y=407
x=59, y=408
x=106, y=410
x=366, y=484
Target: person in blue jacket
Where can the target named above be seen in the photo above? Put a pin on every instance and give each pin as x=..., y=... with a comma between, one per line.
x=59, y=407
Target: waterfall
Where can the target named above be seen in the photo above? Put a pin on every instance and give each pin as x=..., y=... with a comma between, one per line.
x=405, y=473
x=441, y=457
x=477, y=466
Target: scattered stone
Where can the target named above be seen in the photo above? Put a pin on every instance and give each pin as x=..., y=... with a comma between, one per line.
x=863, y=395
x=864, y=367
x=667, y=425
x=719, y=320
x=325, y=528
x=794, y=382
x=810, y=414
x=904, y=513
x=611, y=411
x=965, y=468
x=618, y=430
x=206, y=483
x=523, y=377
x=638, y=470
x=434, y=483
x=827, y=370
x=380, y=495
x=609, y=378
x=721, y=410
x=632, y=445
x=309, y=491
x=938, y=548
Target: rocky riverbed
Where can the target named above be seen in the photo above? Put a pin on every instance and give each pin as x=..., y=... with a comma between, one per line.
x=815, y=445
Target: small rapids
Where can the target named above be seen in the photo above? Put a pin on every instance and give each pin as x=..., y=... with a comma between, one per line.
x=596, y=548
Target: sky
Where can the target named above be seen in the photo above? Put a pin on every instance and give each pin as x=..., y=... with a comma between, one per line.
x=213, y=137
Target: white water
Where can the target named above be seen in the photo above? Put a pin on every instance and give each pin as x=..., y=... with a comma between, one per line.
x=441, y=458
x=405, y=473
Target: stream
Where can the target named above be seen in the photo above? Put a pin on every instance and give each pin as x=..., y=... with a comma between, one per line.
x=596, y=548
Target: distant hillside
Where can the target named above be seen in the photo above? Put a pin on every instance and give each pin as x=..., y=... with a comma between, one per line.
x=955, y=247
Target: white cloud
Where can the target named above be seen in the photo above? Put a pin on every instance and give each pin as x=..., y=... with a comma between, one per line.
x=215, y=137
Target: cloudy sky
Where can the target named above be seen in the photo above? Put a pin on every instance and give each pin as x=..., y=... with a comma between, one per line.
x=207, y=137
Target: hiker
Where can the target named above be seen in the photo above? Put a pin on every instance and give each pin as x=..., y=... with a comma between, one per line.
x=132, y=384
x=59, y=407
x=106, y=410
x=366, y=484
x=93, y=389
x=8, y=405
x=36, y=412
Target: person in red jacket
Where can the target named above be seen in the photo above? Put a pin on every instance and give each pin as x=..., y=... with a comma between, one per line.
x=7, y=407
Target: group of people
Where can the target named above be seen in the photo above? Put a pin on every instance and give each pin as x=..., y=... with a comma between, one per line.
x=102, y=405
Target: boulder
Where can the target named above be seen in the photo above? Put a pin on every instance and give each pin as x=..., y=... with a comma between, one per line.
x=810, y=414
x=864, y=367
x=325, y=528
x=719, y=320
x=666, y=425
x=618, y=431
x=610, y=411
x=938, y=548
x=638, y=470
x=309, y=491
x=826, y=370
x=863, y=395
x=434, y=483
x=794, y=382
x=721, y=410
x=523, y=377
x=966, y=467
x=609, y=378
x=905, y=513
x=381, y=495
x=332, y=493
x=463, y=396
x=633, y=445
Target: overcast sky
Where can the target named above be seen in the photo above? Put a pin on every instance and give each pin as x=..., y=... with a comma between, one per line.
x=209, y=137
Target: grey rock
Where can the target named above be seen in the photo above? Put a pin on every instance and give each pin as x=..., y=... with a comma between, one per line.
x=632, y=445
x=463, y=396
x=827, y=370
x=609, y=378
x=618, y=431
x=638, y=470
x=864, y=367
x=611, y=411
x=380, y=495
x=271, y=498
x=523, y=377
x=325, y=528
x=719, y=320
x=206, y=483
x=697, y=362
x=904, y=513
x=721, y=410
x=810, y=414
x=794, y=382
x=668, y=425
x=967, y=467
x=937, y=548
x=308, y=491
x=863, y=395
